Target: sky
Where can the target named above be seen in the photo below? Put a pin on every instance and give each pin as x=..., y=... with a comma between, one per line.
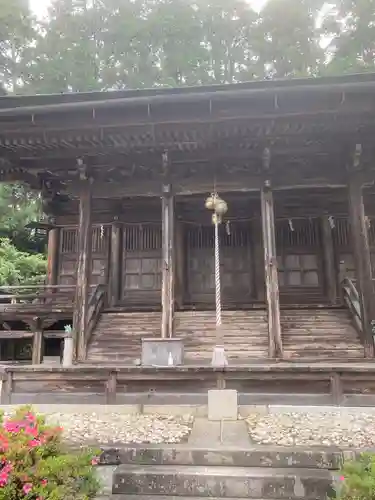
x=40, y=6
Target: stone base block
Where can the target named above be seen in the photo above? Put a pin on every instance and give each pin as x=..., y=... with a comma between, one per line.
x=162, y=352
x=51, y=360
x=222, y=404
x=221, y=482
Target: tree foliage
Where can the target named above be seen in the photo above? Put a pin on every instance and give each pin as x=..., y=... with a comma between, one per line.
x=85, y=45
x=20, y=268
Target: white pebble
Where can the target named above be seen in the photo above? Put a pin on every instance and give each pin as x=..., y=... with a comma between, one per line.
x=336, y=428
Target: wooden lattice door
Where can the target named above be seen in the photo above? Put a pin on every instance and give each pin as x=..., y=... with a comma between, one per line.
x=235, y=258
x=299, y=261
x=69, y=255
x=142, y=264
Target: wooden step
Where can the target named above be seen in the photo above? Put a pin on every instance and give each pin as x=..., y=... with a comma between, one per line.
x=312, y=333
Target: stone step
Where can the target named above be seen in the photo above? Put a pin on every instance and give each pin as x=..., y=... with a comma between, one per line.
x=160, y=497
x=223, y=482
x=256, y=456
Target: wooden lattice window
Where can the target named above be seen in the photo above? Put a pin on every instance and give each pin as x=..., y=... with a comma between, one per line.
x=232, y=235
x=142, y=237
x=100, y=240
x=69, y=240
x=297, y=233
x=341, y=232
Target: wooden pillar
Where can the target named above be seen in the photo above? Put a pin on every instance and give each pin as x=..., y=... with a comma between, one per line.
x=329, y=260
x=115, y=264
x=258, y=258
x=362, y=259
x=167, y=299
x=83, y=269
x=53, y=256
x=37, y=353
x=179, y=263
x=271, y=275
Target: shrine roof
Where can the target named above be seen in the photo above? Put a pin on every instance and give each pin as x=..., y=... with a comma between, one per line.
x=313, y=121
x=54, y=102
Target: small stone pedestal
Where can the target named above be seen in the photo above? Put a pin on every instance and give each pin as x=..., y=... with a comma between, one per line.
x=222, y=405
x=51, y=360
x=68, y=351
x=162, y=352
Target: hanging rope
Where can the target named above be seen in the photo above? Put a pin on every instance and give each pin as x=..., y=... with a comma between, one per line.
x=217, y=275
x=219, y=208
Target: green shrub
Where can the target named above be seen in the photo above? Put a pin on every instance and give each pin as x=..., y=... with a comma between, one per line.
x=357, y=479
x=35, y=464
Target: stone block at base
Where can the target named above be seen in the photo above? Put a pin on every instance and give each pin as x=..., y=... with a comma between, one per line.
x=162, y=352
x=222, y=404
x=51, y=360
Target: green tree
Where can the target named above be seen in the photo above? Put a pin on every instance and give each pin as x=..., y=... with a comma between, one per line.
x=64, y=58
x=20, y=268
x=18, y=207
x=117, y=44
x=17, y=33
x=288, y=38
x=351, y=28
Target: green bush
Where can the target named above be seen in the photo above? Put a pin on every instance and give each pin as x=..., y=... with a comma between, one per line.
x=357, y=479
x=35, y=464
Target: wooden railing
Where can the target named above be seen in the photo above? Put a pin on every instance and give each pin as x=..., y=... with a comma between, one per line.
x=96, y=305
x=26, y=295
x=352, y=302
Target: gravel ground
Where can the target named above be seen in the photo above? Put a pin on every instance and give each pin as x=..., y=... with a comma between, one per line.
x=108, y=428
x=355, y=430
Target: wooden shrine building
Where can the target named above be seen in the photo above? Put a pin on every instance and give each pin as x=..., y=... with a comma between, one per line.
x=124, y=177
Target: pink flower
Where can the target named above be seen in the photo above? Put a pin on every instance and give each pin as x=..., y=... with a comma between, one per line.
x=342, y=478
x=4, y=477
x=44, y=482
x=29, y=417
x=95, y=461
x=34, y=443
x=27, y=488
x=7, y=468
x=12, y=427
x=33, y=431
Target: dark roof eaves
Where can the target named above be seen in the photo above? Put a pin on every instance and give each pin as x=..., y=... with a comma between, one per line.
x=14, y=105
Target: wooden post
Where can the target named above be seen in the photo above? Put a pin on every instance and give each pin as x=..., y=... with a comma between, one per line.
x=111, y=389
x=271, y=276
x=7, y=387
x=336, y=389
x=257, y=256
x=329, y=261
x=167, y=300
x=179, y=262
x=362, y=259
x=83, y=269
x=37, y=354
x=53, y=256
x=115, y=264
